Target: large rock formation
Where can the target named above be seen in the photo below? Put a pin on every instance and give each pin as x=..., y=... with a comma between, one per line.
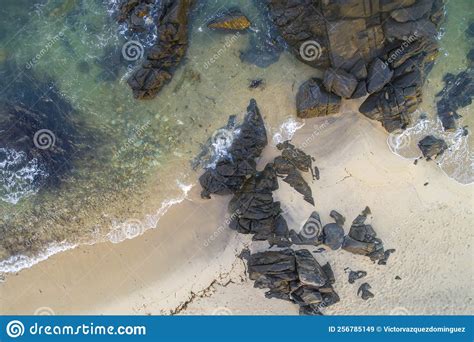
x=295, y=276
x=171, y=25
x=387, y=45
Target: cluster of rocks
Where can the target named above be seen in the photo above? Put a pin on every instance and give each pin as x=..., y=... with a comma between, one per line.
x=170, y=18
x=289, y=274
x=362, y=239
x=253, y=209
x=295, y=276
x=383, y=50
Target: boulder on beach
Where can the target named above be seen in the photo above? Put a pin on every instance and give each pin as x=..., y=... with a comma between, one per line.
x=339, y=82
x=313, y=100
x=295, y=276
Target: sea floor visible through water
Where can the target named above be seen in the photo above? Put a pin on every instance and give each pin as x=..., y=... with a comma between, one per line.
x=140, y=163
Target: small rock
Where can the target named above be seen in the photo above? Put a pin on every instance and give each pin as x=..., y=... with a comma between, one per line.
x=386, y=255
x=364, y=292
x=340, y=220
x=398, y=278
x=333, y=235
x=257, y=83
x=355, y=275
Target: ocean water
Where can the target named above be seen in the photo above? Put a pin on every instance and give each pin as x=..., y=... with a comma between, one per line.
x=458, y=161
x=128, y=161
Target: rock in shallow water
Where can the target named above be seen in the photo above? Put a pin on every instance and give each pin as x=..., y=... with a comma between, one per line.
x=432, y=147
x=171, y=43
x=230, y=20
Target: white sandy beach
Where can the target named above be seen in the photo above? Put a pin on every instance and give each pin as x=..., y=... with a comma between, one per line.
x=189, y=263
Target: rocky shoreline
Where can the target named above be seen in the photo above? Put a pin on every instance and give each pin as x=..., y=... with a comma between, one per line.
x=289, y=274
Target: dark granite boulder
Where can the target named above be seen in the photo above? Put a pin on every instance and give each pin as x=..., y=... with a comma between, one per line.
x=379, y=75
x=339, y=82
x=432, y=147
x=230, y=172
x=414, y=12
x=312, y=100
x=171, y=30
x=333, y=235
x=309, y=270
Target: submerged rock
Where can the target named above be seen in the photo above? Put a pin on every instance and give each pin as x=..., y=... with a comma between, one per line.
x=312, y=100
x=432, y=147
x=457, y=93
x=230, y=20
x=41, y=134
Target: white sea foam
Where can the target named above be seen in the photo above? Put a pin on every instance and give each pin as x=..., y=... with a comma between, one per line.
x=457, y=161
x=18, y=175
x=287, y=130
x=16, y=263
x=133, y=228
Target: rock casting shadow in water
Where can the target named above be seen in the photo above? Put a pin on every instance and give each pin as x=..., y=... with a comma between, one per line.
x=36, y=121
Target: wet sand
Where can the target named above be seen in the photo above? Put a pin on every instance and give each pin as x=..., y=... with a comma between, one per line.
x=189, y=258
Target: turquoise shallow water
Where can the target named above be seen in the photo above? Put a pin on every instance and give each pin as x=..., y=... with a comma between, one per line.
x=129, y=159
